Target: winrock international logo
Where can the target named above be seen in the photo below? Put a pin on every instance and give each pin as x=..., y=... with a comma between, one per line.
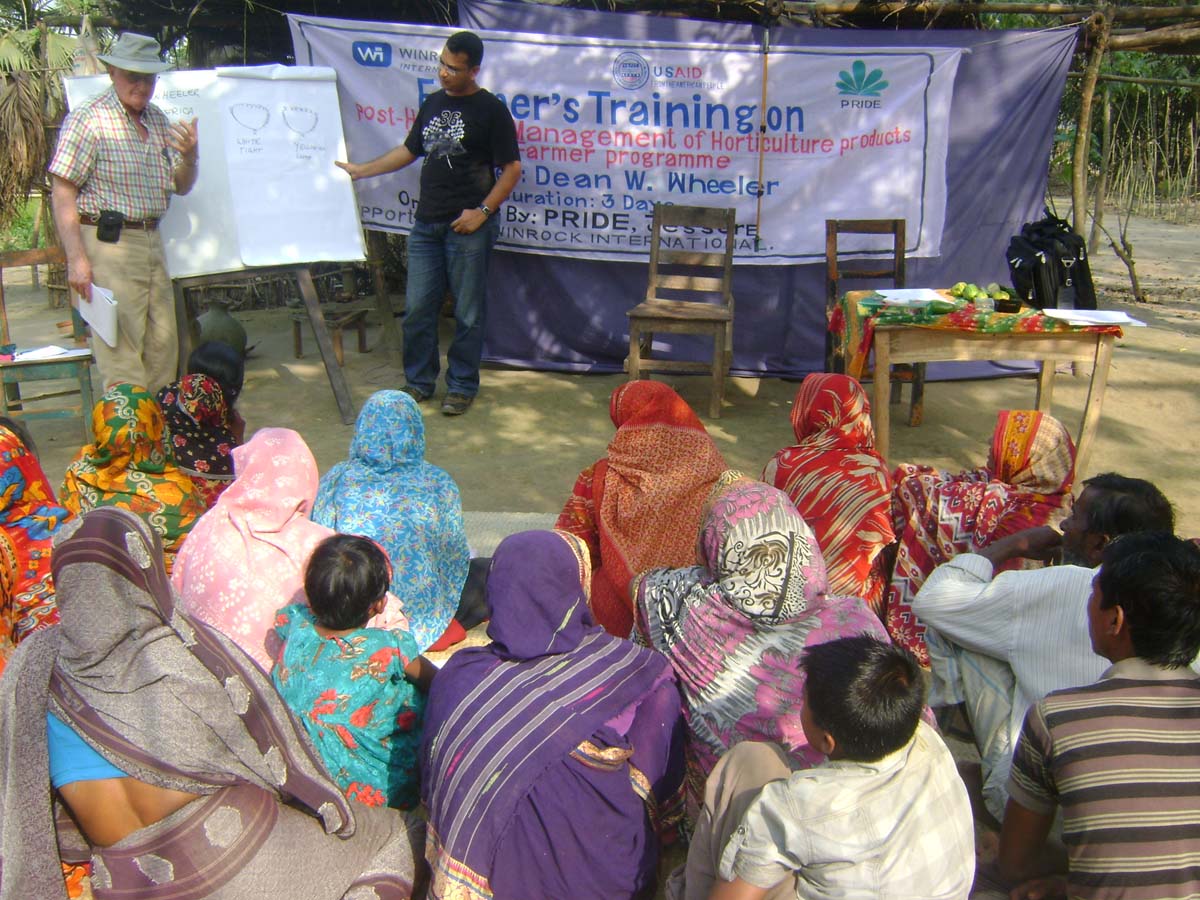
x=372, y=53
x=630, y=71
x=858, y=83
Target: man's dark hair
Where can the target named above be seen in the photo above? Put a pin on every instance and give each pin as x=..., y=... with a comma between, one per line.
x=466, y=42
x=346, y=574
x=866, y=693
x=1155, y=578
x=1121, y=505
x=222, y=364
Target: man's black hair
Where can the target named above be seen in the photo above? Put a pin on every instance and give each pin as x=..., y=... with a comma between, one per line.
x=1155, y=578
x=1120, y=505
x=346, y=575
x=866, y=693
x=223, y=364
x=468, y=43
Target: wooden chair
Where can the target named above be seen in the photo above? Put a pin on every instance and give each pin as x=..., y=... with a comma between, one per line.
x=77, y=366
x=689, y=291
x=837, y=269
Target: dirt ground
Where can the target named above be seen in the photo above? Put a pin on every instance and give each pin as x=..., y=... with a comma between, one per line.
x=521, y=445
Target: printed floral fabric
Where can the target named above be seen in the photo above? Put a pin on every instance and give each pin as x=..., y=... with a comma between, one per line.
x=640, y=506
x=938, y=514
x=200, y=433
x=839, y=484
x=853, y=322
x=350, y=694
x=735, y=628
x=128, y=467
x=388, y=492
x=29, y=516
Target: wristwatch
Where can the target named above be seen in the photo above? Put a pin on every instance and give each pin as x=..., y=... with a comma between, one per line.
x=483, y=208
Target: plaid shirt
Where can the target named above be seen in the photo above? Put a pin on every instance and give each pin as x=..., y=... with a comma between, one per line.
x=100, y=150
x=899, y=827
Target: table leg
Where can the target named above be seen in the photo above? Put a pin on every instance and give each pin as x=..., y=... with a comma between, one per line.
x=881, y=414
x=1095, y=401
x=337, y=378
x=1045, y=388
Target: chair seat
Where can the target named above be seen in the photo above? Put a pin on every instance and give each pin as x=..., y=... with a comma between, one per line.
x=680, y=309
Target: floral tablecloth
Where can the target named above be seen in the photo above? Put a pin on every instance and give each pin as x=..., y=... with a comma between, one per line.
x=853, y=320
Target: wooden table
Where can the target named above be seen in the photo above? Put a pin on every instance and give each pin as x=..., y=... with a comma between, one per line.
x=912, y=344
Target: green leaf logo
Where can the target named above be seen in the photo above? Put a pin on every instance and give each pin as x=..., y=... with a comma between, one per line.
x=860, y=84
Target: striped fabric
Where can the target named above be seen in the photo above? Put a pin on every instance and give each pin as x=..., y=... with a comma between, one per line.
x=1122, y=758
x=100, y=151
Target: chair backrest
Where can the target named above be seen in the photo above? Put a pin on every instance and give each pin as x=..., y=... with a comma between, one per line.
x=697, y=264
x=836, y=270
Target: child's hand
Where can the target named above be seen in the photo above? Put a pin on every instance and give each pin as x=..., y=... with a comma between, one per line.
x=1040, y=888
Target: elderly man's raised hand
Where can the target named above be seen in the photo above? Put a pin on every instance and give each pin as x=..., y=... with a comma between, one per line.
x=184, y=139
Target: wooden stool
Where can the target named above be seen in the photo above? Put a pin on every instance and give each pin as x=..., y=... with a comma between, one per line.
x=336, y=322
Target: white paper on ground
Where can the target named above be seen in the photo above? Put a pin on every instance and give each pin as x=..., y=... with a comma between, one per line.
x=1092, y=317
x=914, y=297
x=101, y=314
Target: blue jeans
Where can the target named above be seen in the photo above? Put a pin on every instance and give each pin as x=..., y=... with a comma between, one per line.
x=440, y=258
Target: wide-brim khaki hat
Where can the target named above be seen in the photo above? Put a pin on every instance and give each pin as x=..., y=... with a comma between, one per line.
x=135, y=53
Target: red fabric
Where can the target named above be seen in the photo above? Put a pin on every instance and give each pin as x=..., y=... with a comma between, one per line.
x=639, y=508
x=453, y=634
x=839, y=484
x=1027, y=482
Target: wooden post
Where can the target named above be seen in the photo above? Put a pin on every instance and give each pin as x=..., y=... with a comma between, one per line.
x=1106, y=137
x=1101, y=29
x=376, y=251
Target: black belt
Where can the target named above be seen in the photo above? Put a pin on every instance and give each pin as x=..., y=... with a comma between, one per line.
x=139, y=224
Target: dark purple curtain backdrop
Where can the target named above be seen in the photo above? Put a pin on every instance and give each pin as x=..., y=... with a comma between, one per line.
x=557, y=313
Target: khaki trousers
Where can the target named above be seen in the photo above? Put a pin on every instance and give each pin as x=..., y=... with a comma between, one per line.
x=134, y=269
x=731, y=788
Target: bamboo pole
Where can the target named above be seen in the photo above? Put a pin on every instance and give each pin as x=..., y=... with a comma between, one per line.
x=1157, y=39
x=1100, y=26
x=931, y=7
x=1106, y=137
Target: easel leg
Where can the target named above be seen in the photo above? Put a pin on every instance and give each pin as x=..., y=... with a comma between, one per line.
x=337, y=378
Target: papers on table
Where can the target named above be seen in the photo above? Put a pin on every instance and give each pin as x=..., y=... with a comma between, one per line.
x=912, y=298
x=51, y=351
x=101, y=314
x=1092, y=317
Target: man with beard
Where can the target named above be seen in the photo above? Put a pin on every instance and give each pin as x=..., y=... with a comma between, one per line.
x=1001, y=644
x=464, y=134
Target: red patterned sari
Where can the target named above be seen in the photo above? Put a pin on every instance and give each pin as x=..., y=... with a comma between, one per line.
x=1027, y=482
x=839, y=484
x=639, y=507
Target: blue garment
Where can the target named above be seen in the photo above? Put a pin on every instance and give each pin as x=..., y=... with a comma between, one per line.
x=387, y=492
x=439, y=258
x=72, y=758
x=350, y=694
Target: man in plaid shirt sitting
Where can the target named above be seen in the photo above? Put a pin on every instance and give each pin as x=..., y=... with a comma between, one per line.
x=117, y=162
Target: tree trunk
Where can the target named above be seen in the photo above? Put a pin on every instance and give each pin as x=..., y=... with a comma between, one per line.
x=1101, y=29
x=1106, y=137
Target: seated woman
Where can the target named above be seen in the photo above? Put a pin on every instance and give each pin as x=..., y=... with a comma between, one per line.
x=345, y=682
x=551, y=755
x=639, y=506
x=29, y=516
x=735, y=627
x=938, y=514
x=246, y=557
x=839, y=484
x=174, y=764
x=202, y=425
x=128, y=467
x=387, y=491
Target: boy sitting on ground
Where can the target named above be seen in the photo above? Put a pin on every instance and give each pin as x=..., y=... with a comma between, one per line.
x=886, y=815
x=1119, y=756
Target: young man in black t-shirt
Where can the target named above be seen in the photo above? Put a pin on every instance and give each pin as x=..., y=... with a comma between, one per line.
x=465, y=134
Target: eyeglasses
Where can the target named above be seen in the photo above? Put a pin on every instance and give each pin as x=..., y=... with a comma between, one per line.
x=453, y=70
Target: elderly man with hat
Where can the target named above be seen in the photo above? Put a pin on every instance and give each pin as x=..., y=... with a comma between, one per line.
x=117, y=162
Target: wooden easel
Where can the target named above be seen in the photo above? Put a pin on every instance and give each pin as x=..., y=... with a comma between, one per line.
x=337, y=379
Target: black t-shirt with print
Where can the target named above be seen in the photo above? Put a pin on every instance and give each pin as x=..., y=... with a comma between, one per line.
x=464, y=140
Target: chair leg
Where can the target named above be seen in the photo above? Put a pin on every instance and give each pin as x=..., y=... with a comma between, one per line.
x=718, y=375
x=634, y=360
x=916, y=412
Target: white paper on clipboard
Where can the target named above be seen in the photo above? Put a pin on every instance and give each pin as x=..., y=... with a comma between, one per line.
x=101, y=314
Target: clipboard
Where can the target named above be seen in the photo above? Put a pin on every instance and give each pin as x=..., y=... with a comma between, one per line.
x=101, y=314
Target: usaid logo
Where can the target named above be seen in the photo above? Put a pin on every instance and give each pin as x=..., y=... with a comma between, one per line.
x=630, y=71
x=372, y=53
